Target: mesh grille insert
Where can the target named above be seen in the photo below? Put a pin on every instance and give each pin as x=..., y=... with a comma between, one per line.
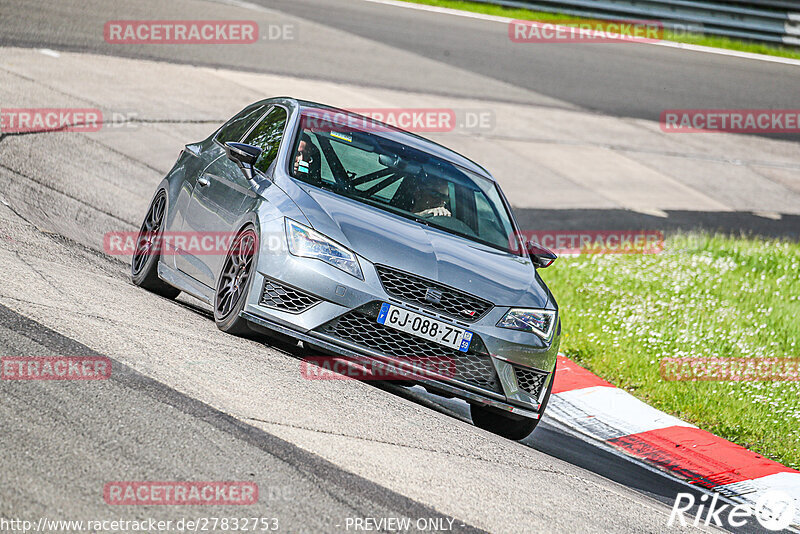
x=286, y=298
x=452, y=302
x=362, y=329
x=530, y=381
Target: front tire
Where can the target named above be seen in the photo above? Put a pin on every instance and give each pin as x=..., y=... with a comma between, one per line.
x=144, y=263
x=507, y=425
x=234, y=283
x=497, y=422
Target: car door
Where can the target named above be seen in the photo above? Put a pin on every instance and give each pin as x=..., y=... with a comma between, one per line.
x=222, y=191
x=201, y=215
x=198, y=156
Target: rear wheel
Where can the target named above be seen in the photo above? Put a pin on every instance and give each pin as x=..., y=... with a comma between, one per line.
x=144, y=263
x=505, y=424
x=234, y=283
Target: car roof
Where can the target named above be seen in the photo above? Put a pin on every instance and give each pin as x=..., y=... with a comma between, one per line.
x=401, y=136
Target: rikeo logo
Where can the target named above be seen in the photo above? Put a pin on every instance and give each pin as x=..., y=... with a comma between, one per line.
x=774, y=510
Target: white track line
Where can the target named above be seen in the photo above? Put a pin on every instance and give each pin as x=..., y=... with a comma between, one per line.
x=608, y=412
x=668, y=44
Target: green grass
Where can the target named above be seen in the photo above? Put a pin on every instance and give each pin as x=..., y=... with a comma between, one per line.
x=703, y=296
x=698, y=39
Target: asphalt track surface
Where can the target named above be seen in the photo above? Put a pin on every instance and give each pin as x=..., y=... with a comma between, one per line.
x=619, y=80
x=384, y=46
x=186, y=402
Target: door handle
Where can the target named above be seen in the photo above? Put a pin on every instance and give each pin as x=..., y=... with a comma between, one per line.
x=203, y=181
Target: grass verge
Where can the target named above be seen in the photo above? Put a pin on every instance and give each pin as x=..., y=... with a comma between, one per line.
x=704, y=295
x=697, y=39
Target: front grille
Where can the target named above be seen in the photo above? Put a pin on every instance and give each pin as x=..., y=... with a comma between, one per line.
x=285, y=298
x=530, y=381
x=452, y=302
x=361, y=328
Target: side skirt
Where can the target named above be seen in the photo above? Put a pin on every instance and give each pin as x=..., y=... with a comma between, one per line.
x=185, y=283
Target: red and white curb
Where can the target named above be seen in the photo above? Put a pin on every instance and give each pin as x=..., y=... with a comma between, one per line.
x=589, y=405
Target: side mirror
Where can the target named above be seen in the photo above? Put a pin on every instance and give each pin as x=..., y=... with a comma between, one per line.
x=244, y=155
x=392, y=161
x=542, y=256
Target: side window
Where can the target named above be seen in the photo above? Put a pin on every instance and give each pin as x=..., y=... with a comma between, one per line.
x=316, y=170
x=357, y=162
x=489, y=228
x=235, y=128
x=267, y=136
x=326, y=174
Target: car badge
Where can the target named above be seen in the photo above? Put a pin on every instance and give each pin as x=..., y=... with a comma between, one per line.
x=434, y=296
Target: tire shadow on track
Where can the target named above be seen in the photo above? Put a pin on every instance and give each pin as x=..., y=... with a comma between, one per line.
x=548, y=438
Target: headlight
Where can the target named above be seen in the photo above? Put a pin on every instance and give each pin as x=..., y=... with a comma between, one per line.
x=537, y=321
x=307, y=243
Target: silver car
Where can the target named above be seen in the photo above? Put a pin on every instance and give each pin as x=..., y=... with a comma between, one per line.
x=364, y=242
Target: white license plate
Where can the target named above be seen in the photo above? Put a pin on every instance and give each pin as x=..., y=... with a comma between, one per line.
x=425, y=327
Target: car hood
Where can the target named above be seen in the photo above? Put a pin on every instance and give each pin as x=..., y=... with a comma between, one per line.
x=387, y=239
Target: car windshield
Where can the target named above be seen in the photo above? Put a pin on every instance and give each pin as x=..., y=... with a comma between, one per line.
x=363, y=165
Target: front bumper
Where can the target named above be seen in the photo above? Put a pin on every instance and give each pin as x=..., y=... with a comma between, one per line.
x=314, y=296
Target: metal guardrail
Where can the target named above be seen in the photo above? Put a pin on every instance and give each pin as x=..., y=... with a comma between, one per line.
x=775, y=4
x=769, y=21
